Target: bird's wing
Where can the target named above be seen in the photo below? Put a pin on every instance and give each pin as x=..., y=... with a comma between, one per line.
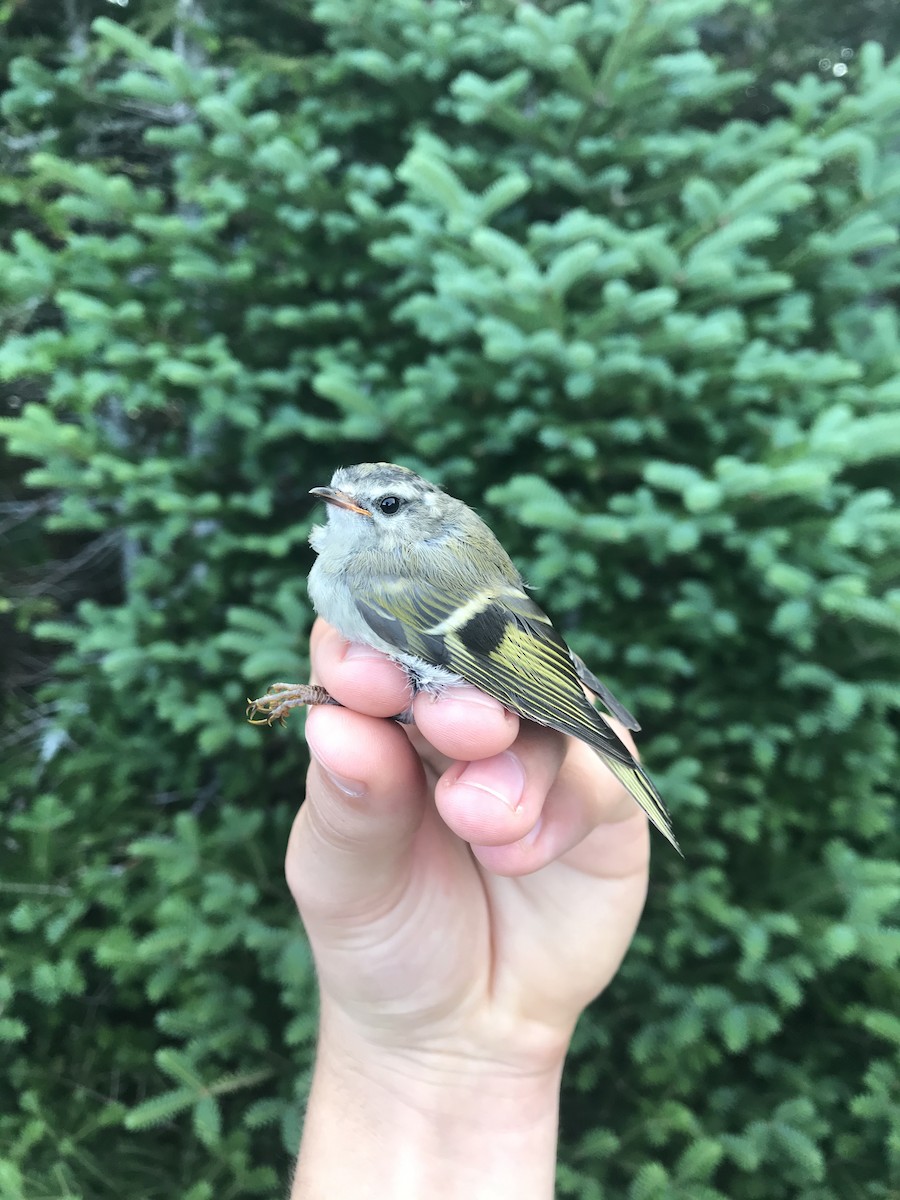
x=500, y=641
x=602, y=692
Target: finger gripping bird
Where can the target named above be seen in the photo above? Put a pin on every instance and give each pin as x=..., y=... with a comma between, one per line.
x=413, y=572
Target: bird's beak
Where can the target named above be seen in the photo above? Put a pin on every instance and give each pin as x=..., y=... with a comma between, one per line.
x=339, y=500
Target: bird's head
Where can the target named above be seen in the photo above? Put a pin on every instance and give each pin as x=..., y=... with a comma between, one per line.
x=385, y=506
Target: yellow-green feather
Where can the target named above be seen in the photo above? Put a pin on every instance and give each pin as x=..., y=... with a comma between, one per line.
x=529, y=669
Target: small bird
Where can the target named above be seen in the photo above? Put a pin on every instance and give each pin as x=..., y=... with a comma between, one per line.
x=406, y=568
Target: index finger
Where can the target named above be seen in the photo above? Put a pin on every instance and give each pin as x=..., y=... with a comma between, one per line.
x=356, y=675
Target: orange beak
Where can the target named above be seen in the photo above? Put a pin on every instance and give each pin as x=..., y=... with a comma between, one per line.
x=339, y=500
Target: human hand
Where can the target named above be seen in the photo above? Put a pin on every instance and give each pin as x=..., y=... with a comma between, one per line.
x=475, y=879
x=467, y=885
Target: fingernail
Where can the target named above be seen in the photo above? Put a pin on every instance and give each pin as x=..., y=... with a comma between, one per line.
x=465, y=694
x=350, y=787
x=360, y=650
x=502, y=777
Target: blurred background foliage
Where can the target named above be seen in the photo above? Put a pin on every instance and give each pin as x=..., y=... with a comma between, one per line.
x=622, y=275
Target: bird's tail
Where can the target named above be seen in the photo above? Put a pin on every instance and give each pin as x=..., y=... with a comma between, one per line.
x=641, y=787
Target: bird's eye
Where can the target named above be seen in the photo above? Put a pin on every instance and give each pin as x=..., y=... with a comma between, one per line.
x=389, y=505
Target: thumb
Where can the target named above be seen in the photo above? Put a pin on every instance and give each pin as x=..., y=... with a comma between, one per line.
x=351, y=843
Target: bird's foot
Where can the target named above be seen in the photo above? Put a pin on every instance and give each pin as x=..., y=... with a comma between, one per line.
x=280, y=698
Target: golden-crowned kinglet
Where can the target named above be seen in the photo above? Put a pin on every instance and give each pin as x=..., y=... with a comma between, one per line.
x=405, y=568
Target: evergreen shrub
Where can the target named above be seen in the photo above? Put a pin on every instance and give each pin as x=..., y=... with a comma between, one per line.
x=542, y=254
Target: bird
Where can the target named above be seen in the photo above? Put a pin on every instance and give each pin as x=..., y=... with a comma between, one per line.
x=410, y=570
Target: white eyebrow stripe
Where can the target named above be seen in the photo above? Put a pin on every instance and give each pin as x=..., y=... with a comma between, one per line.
x=462, y=615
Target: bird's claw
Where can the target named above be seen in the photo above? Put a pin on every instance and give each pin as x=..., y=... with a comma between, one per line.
x=280, y=698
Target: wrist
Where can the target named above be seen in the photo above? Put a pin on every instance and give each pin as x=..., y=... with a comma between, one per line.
x=397, y=1123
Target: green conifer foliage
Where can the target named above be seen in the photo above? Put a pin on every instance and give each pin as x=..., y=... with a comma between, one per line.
x=531, y=251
